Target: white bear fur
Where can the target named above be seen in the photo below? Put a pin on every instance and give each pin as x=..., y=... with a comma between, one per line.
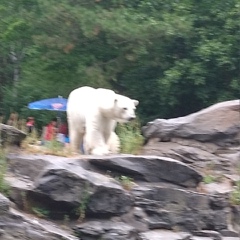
x=92, y=118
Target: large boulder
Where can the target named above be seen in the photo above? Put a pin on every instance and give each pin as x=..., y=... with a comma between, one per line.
x=16, y=225
x=11, y=135
x=206, y=140
x=100, y=194
x=65, y=187
x=168, y=235
x=150, y=169
x=172, y=208
x=218, y=124
x=166, y=195
x=201, y=156
x=164, y=235
x=105, y=230
x=4, y=205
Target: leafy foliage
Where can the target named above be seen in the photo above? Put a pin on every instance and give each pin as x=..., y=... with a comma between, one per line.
x=126, y=182
x=40, y=212
x=175, y=57
x=130, y=137
x=4, y=187
x=235, y=195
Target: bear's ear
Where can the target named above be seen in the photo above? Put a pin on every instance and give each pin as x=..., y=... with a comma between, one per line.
x=136, y=102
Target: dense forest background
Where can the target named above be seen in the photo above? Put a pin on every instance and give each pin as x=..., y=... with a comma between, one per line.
x=175, y=57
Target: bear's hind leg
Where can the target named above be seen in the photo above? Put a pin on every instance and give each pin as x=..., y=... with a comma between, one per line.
x=76, y=139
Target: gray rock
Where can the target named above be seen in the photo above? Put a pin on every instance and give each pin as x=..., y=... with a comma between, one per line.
x=230, y=238
x=218, y=123
x=214, y=235
x=156, y=202
x=105, y=230
x=229, y=233
x=184, y=151
x=100, y=194
x=170, y=208
x=137, y=218
x=164, y=235
x=64, y=187
x=201, y=238
x=11, y=135
x=4, y=205
x=236, y=217
x=200, y=157
x=16, y=225
x=150, y=168
x=29, y=166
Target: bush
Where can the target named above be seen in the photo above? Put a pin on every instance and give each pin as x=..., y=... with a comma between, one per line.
x=235, y=195
x=130, y=137
x=126, y=182
x=4, y=187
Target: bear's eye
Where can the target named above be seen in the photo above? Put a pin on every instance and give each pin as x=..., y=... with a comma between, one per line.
x=125, y=108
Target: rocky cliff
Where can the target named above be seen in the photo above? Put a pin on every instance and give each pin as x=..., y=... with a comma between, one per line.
x=179, y=188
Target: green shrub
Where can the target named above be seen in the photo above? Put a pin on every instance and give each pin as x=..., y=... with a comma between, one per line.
x=81, y=209
x=126, y=182
x=41, y=212
x=209, y=179
x=4, y=187
x=235, y=195
x=130, y=137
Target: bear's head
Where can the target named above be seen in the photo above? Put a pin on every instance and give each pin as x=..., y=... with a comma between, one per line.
x=124, y=108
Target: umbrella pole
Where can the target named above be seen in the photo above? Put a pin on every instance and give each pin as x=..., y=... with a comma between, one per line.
x=58, y=120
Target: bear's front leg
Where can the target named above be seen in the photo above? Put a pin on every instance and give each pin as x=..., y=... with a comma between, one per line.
x=76, y=139
x=100, y=151
x=94, y=144
x=114, y=143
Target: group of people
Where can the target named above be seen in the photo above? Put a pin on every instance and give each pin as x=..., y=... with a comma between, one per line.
x=54, y=130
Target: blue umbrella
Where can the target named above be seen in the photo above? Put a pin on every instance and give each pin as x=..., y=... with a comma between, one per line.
x=51, y=104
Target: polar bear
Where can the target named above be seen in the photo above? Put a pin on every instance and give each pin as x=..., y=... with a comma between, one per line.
x=92, y=118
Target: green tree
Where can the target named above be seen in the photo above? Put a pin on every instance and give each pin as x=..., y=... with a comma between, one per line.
x=175, y=57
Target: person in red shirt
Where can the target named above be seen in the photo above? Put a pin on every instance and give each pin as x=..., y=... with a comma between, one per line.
x=30, y=124
x=62, y=132
x=51, y=130
x=63, y=128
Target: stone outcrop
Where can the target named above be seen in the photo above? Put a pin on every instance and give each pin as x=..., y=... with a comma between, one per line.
x=179, y=188
x=208, y=139
x=63, y=185
x=16, y=225
x=155, y=207
x=105, y=230
x=173, y=208
x=219, y=124
x=151, y=169
x=11, y=135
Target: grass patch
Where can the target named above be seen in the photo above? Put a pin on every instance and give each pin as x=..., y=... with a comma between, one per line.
x=126, y=182
x=207, y=179
x=32, y=144
x=81, y=209
x=31, y=138
x=40, y=212
x=235, y=195
x=130, y=137
x=4, y=187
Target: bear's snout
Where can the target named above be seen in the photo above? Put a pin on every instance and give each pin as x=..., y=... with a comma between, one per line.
x=131, y=118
